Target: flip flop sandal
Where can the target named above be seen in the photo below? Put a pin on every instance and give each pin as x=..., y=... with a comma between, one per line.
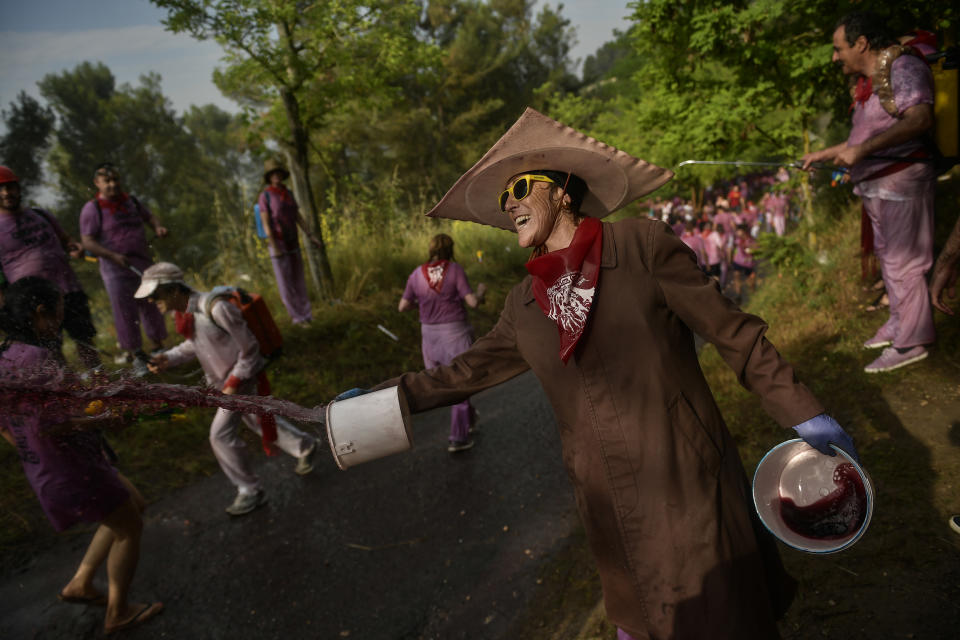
x=148, y=611
x=879, y=303
x=96, y=601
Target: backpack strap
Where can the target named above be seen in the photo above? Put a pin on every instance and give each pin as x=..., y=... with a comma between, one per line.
x=48, y=218
x=96, y=204
x=217, y=293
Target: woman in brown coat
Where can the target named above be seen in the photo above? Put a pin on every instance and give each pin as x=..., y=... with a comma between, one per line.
x=606, y=321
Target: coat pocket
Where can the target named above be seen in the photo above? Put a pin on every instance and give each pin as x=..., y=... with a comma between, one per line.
x=688, y=424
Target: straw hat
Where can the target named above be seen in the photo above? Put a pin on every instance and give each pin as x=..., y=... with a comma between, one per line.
x=271, y=165
x=614, y=178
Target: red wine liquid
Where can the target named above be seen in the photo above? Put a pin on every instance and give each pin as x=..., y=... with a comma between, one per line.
x=837, y=515
x=65, y=393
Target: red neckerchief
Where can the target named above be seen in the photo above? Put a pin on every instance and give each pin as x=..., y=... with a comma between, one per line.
x=184, y=323
x=281, y=192
x=112, y=205
x=564, y=283
x=434, y=273
x=862, y=92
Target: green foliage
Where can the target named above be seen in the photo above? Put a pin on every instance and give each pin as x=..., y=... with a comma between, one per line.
x=178, y=167
x=28, y=130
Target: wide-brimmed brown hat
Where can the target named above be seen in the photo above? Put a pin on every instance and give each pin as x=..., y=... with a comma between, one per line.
x=272, y=165
x=614, y=178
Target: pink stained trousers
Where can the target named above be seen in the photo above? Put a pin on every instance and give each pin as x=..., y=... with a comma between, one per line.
x=903, y=244
x=441, y=343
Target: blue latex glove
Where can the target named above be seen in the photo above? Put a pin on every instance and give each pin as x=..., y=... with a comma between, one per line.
x=822, y=430
x=351, y=393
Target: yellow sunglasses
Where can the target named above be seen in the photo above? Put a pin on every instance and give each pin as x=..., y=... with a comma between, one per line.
x=521, y=188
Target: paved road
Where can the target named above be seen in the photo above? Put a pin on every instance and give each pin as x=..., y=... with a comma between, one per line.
x=420, y=545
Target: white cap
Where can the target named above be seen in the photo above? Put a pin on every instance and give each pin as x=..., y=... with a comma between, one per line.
x=156, y=275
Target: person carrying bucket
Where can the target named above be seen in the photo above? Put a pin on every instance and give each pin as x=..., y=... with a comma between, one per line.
x=217, y=335
x=606, y=320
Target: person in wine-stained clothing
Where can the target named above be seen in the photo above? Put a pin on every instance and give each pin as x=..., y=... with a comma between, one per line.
x=605, y=319
x=32, y=243
x=112, y=228
x=439, y=288
x=281, y=219
x=63, y=460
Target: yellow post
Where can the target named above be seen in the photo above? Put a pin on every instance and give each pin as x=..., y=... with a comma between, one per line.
x=946, y=112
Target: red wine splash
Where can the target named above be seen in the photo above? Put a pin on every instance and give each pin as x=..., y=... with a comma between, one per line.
x=837, y=515
x=60, y=391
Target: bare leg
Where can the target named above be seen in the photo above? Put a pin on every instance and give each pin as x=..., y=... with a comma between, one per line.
x=81, y=585
x=126, y=527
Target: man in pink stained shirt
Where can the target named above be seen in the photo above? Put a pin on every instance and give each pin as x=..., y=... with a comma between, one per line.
x=111, y=227
x=892, y=115
x=32, y=243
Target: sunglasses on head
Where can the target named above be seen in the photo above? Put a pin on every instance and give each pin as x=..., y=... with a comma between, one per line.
x=521, y=188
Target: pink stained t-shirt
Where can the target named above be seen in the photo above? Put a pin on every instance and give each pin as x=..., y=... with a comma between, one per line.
x=445, y=306
x=282, y=209
x=741, y=255
x=30, y=246
x=912, y=85
x=713, y=246
x=119, y=230
x=695, y=242
x=66, y=469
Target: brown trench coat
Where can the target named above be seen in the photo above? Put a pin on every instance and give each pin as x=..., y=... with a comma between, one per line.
x=658, y=480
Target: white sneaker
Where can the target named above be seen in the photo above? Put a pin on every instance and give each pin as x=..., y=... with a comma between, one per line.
x=244, y=503
x=459, y=445
x=140, y=368
x=305, y=461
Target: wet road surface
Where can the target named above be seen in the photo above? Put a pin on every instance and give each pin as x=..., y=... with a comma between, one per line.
x=424, y=544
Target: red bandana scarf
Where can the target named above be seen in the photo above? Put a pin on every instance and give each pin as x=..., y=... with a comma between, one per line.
x=862, y=92
x=564, y=283
x=111, y=205
x=281, y=192
x=184, y=323
x=434, y=272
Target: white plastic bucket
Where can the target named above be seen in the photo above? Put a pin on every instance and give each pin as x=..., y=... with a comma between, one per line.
x=367, y=427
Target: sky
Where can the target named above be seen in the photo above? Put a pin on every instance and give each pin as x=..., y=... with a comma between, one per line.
x=50, y=36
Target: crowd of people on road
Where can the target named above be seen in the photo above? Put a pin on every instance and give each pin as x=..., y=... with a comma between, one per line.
x=605, y=319
x=722, y=230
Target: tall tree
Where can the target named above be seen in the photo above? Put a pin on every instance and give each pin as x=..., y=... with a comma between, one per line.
x=277, y=52
x=176, y=171
x=22, y=147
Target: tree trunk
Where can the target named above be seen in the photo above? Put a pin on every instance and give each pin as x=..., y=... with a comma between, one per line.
x=299, y=160
x=805, y=179
x=317, y=261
